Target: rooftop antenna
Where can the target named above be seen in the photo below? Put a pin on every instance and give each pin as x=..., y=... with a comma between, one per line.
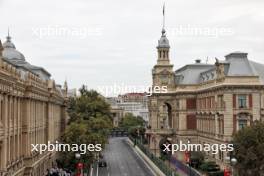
x=163, y=23
x=206, y=60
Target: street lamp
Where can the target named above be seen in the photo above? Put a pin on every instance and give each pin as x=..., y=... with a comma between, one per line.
x=155, y=146
x=77, y=156
x=233, y=162
x=79, y=165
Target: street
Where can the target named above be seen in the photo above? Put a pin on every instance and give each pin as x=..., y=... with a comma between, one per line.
x=122, y=160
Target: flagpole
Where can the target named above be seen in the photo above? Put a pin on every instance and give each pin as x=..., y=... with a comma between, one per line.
x=163, y=16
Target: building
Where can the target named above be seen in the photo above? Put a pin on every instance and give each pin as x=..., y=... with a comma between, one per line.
x=117, y=112
x=135, y=103
x=204, y=103
x=32, y=111
x=135, y=97
x=72, y=93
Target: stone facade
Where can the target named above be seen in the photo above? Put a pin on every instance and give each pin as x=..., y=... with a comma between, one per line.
x=135, y=103
x=118, y=115
x=32, y=111
x=204, y=103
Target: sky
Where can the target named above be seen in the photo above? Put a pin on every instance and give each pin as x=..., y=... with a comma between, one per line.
x=106, y=43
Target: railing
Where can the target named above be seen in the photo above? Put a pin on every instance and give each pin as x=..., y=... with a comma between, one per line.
x=185, y=168
x=158, y=162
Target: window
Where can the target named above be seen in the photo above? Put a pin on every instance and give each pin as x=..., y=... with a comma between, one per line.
x=163, y=79
x=1, y=110
x=0, y=154
x=242, y=123
x=191, y=122
x=242, y=101
x=220, y=101
x=178, y=104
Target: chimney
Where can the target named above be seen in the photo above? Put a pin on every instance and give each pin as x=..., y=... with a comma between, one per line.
x=198, y=61
x=236, y=55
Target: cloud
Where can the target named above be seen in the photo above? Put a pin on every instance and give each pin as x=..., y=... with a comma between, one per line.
x=125, y=50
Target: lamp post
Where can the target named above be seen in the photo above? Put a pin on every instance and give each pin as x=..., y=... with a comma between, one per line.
x=233, y=162
x=155, y=146
x=77, y=156
x=79, y=165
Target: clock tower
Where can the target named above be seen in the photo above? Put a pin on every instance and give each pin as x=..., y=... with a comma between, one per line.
x=162, y=73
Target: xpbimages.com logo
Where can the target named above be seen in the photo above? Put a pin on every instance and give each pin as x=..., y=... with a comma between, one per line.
x=60, y=147
x=214, y=148
x=118, y=89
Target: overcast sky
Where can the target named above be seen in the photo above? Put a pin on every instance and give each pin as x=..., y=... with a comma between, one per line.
x=102, y=42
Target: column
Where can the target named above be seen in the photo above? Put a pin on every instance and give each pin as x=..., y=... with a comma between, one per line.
x=216, y=124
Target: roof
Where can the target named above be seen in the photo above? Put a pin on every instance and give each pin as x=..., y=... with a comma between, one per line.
x=235, y=64
x=190, y=74
x=134, y=94
x=163, y=41
x=259, y=70
x=16, y=58
x=10, y=51
x=239, y=65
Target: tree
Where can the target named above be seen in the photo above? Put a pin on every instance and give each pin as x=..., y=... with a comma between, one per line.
x=130, y=121
x=134, y=125
x=90, y=123
x=89, y=104
x=75, y=133
x=249, y=145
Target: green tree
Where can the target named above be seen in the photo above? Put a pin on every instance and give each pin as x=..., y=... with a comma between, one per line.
x=89, y=104
x=249, y=145
x=135, y=126
x=90, y=123
x=130, y=121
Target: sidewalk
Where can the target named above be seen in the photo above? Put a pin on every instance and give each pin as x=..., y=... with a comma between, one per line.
x=152, y=166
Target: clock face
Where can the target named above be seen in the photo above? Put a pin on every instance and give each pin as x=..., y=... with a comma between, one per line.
x=164, y=79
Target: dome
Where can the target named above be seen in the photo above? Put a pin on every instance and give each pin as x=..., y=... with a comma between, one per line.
x=163, y=41
x=10, y=51
x=8, y=43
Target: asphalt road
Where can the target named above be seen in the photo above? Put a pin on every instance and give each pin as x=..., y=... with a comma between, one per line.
x=122, y=160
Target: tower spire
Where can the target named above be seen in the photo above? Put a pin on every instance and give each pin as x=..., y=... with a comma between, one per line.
x=163, y=31
x=8, y=35
x=163, y=12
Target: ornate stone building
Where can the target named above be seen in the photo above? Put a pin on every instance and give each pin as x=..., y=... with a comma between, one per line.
x=32, y=111
x=205, y=103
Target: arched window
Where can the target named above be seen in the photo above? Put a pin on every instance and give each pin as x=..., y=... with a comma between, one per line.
x=168, y=115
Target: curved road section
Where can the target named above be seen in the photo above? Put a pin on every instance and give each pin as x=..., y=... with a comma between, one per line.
x=122, y=160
